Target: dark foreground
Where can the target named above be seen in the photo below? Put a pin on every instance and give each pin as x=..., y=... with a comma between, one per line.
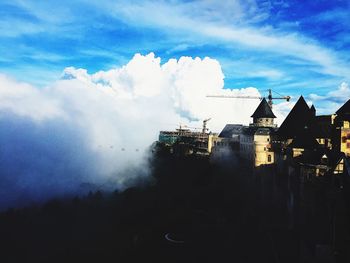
x=195, y=212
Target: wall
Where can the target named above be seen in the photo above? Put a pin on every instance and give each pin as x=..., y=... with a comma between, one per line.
x=264, y=122
x=246, y=145
x=262, y=147
x=345, y=138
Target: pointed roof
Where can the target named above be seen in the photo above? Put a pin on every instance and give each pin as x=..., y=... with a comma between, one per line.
x=263, y=110
x=298, y=118
x=344, y=110
x=313, y=110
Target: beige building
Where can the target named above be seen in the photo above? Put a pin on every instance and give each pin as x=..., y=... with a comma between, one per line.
x=255, y=140
x=342, y=129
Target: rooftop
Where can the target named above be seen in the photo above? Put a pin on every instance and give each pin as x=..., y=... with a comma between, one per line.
x=344, y=110
x=299, y=118
x=230, y=130
x=263, y=110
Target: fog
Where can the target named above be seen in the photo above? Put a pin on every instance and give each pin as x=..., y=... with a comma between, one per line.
x=93, y=131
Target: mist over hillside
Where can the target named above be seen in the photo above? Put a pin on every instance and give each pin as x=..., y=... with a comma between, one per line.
x=93, y=131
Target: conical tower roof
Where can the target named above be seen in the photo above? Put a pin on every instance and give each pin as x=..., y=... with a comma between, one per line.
x=263, y=110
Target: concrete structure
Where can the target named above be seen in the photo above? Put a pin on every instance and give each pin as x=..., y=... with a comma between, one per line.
x=186, y=142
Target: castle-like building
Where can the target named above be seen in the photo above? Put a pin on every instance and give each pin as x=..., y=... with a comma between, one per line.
x=309, y=157
x=307, y=175
x=255, y=140
x=301, y=133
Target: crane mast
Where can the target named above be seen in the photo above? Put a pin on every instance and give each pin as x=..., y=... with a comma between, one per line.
x=204, y=130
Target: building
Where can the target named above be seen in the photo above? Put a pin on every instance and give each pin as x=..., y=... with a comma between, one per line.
x=186, y=142
x=311, y=160
x=322, y=129
x=252, y=143
x=311, y=182
x=255, y=139
x=299, y=118
x=341, y=130
x=229, y=136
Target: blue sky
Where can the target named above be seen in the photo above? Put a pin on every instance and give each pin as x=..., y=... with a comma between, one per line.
x=294, y=47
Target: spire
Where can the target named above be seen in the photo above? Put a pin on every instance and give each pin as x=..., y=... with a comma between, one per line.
x=263, y=111
x=313, y=110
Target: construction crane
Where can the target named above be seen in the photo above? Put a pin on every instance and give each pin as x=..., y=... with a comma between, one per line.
x=269, y=97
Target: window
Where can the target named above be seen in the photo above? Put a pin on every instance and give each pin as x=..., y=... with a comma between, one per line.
x=269, y=158
x=264, y=148
x=268, y=139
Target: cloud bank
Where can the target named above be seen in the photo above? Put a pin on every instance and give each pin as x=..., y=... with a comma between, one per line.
x=89, y=130
x=93, y=131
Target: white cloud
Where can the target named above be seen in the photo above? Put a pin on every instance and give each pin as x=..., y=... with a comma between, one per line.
x=282, y=109
x=271, y=74
x=342, y=93
x=27, y=101
x=181, y=84
x=332, y=101
x=107, y=120
x=315, y=97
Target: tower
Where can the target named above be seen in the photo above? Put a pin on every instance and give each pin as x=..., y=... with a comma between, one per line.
x=263, y=115
x=255, y=140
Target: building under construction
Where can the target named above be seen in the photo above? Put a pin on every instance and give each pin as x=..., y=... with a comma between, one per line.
x=184, y=141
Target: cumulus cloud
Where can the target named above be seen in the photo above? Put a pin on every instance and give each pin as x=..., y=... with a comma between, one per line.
x=27, y=101
x=95, y=129
x=179, y=87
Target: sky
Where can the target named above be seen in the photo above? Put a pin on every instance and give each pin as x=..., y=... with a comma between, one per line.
x=86, y=86
x=293, y=47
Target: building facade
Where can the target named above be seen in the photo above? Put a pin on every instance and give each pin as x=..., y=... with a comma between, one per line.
x=255, y=140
